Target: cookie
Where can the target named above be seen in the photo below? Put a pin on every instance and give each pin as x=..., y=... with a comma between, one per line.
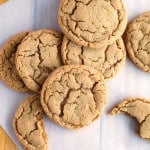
x=108, y=60
x=74, y=96
x=138, y=108
x=8, y=72
x=92, y=23
x=137, y=40
x=29, y=126
x=37, y=56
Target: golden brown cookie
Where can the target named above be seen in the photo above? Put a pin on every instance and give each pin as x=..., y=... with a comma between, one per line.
x=37, y=56
x=138, y=108
x=92, y=23
x=137, y=40
x=74, y=96
x=108, y=60
x=8, y=72
x=29, y=126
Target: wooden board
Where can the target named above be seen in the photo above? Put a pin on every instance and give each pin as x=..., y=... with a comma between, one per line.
x=3, y=1
x=5, y=142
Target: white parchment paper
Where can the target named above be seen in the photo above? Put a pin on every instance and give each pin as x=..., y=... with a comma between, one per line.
x=110, y=132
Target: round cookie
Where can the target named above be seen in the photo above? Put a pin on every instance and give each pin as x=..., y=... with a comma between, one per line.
x=8, y=72
x=108, y=60
x=74, y=96
x=28, y=124
x=137, y=40
x=37, y=56
x=138, y=108
x=92, y=23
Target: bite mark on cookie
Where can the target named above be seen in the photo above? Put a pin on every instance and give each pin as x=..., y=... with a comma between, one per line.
x=139, y=109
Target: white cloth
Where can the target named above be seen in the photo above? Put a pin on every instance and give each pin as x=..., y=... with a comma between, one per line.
x=110, y=132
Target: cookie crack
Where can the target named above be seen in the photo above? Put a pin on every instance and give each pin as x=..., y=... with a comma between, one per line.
x=142, y=122
x=81, y=55
x=105, y=55
x=39, y=54
x=92, y=90
x=34, y=79
x=16, y=119
x=64, y=102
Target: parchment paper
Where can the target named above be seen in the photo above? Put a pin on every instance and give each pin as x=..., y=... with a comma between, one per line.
x=110, y=132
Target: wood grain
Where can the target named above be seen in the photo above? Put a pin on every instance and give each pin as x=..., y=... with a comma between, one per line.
x=5, y=142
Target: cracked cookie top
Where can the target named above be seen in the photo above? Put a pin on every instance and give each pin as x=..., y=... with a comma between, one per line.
x=138, y=108
x=37, y=56
x=92, y=23
x=8, y=72
x=108, y=59
x=29, y=125
x=74, y=96
x=137, y=40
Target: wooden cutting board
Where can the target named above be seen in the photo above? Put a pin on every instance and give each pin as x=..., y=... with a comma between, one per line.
x=5, y=142
x=3, y=1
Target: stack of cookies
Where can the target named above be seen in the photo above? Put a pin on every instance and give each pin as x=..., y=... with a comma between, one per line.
x=67, y=72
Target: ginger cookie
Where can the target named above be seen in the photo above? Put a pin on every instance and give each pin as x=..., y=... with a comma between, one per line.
x=108, y=60
x=37, y=56
x=8, y=72
x=74, y=96
x=92, y=23
x=29, y=126
x=137, y=40
x=138, y=108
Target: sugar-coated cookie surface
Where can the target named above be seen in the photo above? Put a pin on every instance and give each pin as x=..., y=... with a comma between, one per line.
x=74, y=96
x=37, y=56
x=137, y=39
x=8, y=71
x=92, y=23
x=28, y=124
x=138, y=108
x=108, y=60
